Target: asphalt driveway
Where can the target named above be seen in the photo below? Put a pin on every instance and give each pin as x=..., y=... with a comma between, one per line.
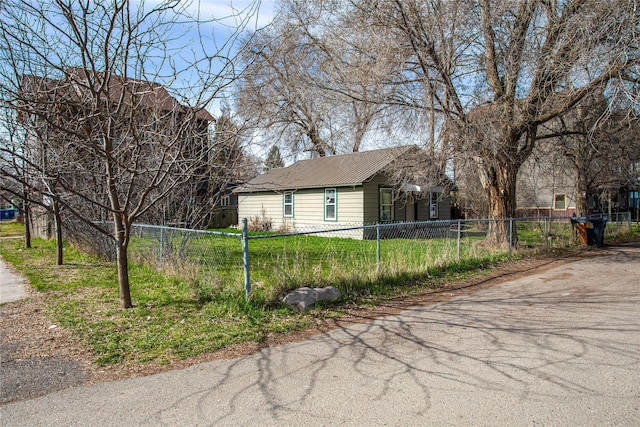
x=560, y=347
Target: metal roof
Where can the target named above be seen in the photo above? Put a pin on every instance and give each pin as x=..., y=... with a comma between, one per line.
x=333, y=171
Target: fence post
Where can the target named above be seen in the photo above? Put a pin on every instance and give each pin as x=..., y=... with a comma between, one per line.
x=510, y=235
x=245, y=258
x=162, y=246
x=378, y=247
x=546, y=231
x=459, y=230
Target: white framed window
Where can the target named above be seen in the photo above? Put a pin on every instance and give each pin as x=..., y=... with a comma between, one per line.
x=559, y=201
x=287, y=204
x=433, y=205
x=386, y=204
x=225, y=201
x=330, y=204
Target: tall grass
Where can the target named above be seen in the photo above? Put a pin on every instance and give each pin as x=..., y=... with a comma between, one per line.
x=189, y=296
x=213, y=263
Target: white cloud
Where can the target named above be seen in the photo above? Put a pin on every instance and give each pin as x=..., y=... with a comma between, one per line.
x=229, y=12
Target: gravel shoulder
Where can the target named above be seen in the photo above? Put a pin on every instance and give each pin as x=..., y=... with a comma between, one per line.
x=38, y=357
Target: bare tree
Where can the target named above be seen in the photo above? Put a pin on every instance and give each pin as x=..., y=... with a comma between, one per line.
x=225, y=163
x=598, y=145
x=97, y=74
x=15, y=180
x=27, y=166
x=497, y=70
x=288, y=92
x=277, y=93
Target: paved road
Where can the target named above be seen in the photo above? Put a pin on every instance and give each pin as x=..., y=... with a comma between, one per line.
x=556, y=348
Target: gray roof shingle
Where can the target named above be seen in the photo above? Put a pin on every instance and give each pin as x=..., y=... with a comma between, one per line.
x=341, y=170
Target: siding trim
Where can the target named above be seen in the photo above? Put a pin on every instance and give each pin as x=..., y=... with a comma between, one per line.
x=284, y=204
x=393, y=204
x=335, y=204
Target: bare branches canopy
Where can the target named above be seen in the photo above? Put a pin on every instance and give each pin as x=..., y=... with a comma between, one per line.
x=110, y=98
x=482, y=76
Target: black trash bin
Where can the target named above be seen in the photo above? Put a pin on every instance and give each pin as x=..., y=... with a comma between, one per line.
x=595, y=230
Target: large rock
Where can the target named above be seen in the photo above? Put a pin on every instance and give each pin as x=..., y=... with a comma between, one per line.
x=304, y=298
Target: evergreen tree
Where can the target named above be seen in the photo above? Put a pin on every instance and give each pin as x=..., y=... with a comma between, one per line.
x=274, y=159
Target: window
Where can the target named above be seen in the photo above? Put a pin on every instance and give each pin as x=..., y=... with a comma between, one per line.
x=288, y=204
x=559, y=201
x=433, y=205
x=225, y=201
x=386, y=204
x=633, y=199
x=330, y=206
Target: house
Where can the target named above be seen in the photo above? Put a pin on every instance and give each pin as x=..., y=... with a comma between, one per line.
x=155, y=144
x=379, y=186
x=547, y=187
x=224, y=207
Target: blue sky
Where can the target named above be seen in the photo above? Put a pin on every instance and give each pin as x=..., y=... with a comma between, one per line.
x=229, y=8
x=225, y=16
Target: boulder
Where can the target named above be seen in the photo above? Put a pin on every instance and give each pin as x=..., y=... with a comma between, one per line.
x=303, y=298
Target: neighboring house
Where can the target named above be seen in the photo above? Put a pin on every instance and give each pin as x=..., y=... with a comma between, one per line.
x=8, y=210
x=224, y=211
x=546, y=187
x=149, y=114
x=387, y=185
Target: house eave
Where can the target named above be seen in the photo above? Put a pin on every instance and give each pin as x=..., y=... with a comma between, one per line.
x=295, y=188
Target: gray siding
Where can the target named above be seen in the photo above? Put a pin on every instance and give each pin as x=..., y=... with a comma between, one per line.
x=423, y=210
x=372, y=199
x=540, y=178
x=445, y=208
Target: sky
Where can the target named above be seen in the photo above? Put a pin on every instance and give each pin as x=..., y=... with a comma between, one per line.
x=225, y=16
x=222, y=17
x=228, y=8
x=219, y=9
x=225, y=12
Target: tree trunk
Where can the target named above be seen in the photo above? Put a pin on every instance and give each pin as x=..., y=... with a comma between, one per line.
x=318, y=144
x=499, y=183
x=58, y=230
x=120, y=225
x=122, y=260
x=582, y=203
x=26, y=212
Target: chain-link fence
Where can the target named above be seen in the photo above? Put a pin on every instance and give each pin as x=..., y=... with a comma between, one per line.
x=270, y=263
x=211, y=260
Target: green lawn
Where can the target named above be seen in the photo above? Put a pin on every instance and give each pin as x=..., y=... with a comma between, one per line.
x=281, y=263
x=168, y=321
x=196, y=304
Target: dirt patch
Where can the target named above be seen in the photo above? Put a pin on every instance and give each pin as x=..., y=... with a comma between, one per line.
x=38, y=357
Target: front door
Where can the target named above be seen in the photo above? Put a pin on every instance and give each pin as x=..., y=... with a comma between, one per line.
x=411, y=209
